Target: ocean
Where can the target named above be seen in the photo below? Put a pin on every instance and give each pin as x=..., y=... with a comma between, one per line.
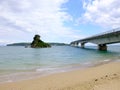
x=20, y=63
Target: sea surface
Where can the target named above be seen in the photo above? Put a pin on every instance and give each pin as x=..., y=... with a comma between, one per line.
x=20, y=63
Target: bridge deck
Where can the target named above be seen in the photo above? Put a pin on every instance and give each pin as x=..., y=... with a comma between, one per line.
x=101, y=40
x=114, y=32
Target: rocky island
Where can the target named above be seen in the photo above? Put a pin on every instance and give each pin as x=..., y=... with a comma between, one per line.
x=38, y=43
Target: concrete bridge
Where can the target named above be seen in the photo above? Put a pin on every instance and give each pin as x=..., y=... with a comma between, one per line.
x=110, y=37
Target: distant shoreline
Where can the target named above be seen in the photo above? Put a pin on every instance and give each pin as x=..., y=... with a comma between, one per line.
x=28, y=44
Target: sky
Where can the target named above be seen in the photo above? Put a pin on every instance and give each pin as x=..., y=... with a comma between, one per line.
x=56, y=20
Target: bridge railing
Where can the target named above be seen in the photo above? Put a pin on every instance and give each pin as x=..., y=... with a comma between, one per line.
x=107, y=32
x=104, y=33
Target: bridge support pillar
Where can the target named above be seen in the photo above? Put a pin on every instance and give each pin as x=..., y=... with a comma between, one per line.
x=76, y=44
x=102, y=47
x=82, y=45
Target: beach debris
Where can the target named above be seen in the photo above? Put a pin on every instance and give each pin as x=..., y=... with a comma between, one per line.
x=115, y=74
x=106, y=76
x=96, y=79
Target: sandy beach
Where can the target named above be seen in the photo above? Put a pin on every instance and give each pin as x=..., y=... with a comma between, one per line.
x=102, y=77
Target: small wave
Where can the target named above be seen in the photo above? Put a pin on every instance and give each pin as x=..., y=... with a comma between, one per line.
x=44, y=69
x=107, y=60
x=9, y=81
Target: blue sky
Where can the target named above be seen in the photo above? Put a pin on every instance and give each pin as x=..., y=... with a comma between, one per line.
x=56, y=20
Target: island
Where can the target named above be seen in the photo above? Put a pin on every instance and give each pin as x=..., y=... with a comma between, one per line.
x=28, y=44
x=38, y=43
x=19, y=44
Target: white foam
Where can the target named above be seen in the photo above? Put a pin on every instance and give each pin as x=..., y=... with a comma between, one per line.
x=44, y=69
x=107, y=60
x=9, y=81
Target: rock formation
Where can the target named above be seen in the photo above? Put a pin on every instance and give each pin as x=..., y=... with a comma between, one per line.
x=37, y=43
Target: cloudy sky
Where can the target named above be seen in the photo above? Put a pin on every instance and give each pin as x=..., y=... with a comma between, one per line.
x=56, y=20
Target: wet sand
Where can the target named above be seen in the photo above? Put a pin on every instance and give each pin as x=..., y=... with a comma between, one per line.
x=103, y=77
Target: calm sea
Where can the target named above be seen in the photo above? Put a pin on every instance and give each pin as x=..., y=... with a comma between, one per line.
x=18, y=63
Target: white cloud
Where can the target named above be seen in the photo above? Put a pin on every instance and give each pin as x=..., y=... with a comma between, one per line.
x=105, y=13
x=20, y=18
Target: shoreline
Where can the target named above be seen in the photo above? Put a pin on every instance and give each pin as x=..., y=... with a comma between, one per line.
x=41, y=72
x=92, y=78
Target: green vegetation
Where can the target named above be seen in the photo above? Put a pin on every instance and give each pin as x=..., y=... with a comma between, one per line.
x=59, y=44
x=37, y=43
x=28, y=44
x=19, y=44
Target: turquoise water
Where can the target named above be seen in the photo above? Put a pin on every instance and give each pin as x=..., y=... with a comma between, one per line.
x=17, y=63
